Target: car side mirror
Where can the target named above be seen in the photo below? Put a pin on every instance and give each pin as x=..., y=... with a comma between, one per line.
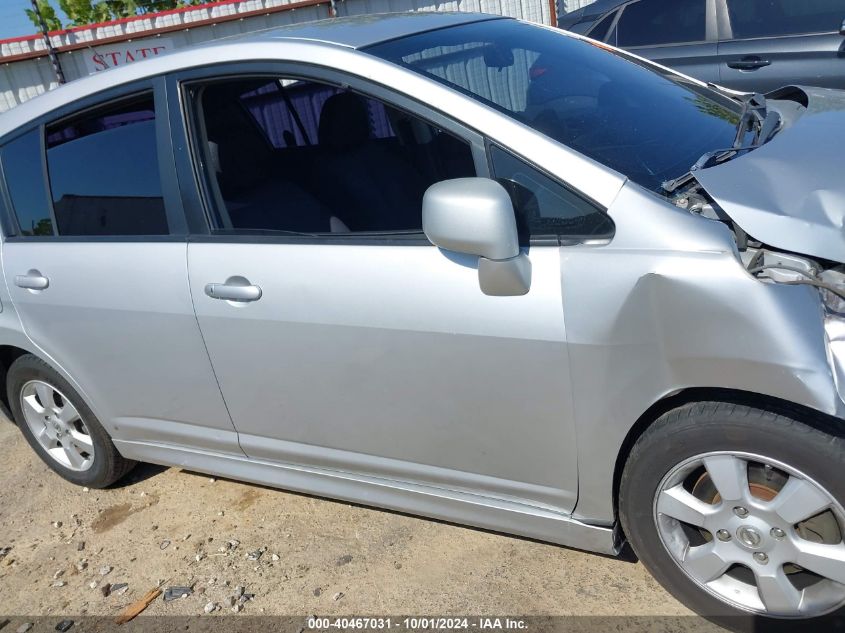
x=475, y=216
x=842, y=28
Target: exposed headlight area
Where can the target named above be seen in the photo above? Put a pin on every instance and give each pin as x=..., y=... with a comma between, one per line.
x=833, y=300
x=834, y=327
x=833, y=293
x=787, y=268
x=768, y=264
x=791, y=269
x=772, y=266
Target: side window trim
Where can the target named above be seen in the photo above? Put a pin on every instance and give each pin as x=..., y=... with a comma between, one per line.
x=728, y=36
x=175, y=214
x=191, y=172
x=172, y=200
x=209, y=188
x=45, y=177
x=8, y=221
x=723, y=22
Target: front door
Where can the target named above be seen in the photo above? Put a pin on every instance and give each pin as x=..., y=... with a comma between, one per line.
x=341, y=339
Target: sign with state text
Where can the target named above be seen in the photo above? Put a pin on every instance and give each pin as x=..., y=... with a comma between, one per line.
x=99, y=58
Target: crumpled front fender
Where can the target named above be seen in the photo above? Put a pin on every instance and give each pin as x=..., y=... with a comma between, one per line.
x=667, y=306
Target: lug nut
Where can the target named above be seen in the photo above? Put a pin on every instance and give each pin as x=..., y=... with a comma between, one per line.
x=777, y=532
x=741, y=512
x=723, y=535
x=761, y=557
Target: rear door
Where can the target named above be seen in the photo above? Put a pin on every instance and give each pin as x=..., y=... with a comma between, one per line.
x=680, y=34
x=766, y=44
x=95, y=261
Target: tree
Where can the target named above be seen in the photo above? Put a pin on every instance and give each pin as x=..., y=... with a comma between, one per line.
x=48, y=13
x=82, y=12
x=152, y=6
x=128, y=8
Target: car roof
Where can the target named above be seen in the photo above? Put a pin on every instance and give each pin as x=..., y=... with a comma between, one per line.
x=364, y=30
x=347, y=32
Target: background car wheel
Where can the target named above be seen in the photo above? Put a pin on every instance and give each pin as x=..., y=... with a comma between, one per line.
x=738, y=512
x=60, y=427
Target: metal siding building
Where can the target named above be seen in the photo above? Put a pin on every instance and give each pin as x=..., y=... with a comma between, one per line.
x=25, y=69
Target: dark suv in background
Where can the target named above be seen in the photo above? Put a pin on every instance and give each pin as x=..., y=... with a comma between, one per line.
x=754, y=45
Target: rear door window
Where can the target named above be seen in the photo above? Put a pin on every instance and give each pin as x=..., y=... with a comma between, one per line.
x=24, y=176
x=654, y=22
x=767, y=18
x=104, y=171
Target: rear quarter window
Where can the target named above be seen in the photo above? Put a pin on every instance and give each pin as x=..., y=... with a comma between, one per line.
x=24, y=175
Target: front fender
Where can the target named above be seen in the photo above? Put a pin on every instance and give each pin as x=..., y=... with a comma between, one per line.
x=645, y=320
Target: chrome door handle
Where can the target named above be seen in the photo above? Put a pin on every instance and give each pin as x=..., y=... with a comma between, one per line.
x=233, y=292
x=33, y=280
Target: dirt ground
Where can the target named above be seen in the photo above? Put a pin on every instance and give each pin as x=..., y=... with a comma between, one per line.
x=171, y=527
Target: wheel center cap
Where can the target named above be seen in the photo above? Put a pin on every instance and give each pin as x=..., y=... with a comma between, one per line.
x=749, y=536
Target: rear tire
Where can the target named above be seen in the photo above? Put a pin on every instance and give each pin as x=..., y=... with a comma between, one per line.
x=699, y=502
x=60, y=427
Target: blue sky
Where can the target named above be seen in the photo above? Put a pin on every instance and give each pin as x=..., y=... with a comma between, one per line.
x=13, y=20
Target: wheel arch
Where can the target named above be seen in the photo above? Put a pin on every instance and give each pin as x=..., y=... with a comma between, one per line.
x=8, y=355
x=813, y=417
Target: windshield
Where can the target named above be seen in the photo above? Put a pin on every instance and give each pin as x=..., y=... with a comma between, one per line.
x=644, y=124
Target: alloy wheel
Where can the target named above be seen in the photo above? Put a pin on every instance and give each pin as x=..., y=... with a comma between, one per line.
x=56, y=425
x=756, y=533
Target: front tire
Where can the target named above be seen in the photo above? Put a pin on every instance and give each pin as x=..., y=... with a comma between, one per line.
x=60, y=427
x=738, y=512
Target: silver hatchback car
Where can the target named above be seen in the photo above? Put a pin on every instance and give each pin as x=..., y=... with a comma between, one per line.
x=454, y=265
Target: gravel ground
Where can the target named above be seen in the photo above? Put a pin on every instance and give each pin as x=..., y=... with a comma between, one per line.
x=295, y=554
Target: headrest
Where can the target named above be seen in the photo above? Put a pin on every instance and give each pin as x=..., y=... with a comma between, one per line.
x=344, y=121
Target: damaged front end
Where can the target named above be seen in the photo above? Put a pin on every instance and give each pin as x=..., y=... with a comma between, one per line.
x=785, y=188
x=772, y=265
x=784, y=200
